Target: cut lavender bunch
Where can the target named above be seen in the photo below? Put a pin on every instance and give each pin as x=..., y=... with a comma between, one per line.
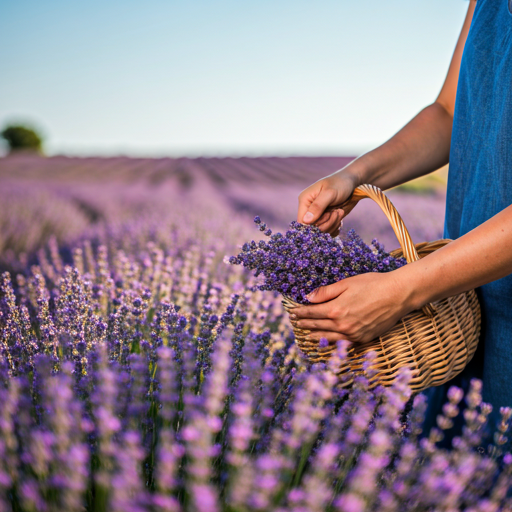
x=304, y=258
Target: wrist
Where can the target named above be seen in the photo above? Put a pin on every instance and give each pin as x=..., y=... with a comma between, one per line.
x=414, y=292
x=360, y=171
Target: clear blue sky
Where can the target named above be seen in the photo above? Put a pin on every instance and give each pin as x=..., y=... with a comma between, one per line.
x=212, y=77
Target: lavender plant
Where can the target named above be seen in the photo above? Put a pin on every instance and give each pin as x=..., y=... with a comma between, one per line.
x=304, y=258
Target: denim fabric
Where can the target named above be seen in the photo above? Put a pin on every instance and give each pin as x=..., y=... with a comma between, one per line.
x=480, y=186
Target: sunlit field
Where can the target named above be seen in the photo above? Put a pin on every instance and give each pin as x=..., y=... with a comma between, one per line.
x=139, y=372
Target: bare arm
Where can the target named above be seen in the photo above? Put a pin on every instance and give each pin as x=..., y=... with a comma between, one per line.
x=477, y=258
x=421, y=147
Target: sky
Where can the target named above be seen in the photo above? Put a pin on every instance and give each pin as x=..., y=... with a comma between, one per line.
x=222, y=77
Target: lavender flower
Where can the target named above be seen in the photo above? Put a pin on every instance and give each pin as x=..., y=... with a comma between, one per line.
x=304, y=258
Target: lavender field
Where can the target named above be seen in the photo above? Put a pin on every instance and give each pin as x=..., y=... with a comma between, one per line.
x=138, y=372
x=67, y=197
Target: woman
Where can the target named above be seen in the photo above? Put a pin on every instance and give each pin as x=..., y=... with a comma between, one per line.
x=473, y=134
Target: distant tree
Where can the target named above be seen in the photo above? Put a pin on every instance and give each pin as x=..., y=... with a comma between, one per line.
x=22, y=138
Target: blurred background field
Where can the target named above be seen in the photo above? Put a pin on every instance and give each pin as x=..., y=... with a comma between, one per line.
x=64, y=198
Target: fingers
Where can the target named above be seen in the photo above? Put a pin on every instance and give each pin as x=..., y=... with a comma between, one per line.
x=316, y=207
x=325, y=218
x=334, y=224
x=332, y=191
x=331, y=336
x=326, y=293
x=321, y=324
x=316, y=311
x=306, y=197
x=335, y=231
x=330, y=221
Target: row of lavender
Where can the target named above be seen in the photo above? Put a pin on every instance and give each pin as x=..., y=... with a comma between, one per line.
x=186, y=171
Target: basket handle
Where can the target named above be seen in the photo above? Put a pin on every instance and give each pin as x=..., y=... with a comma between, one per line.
x=401, y=232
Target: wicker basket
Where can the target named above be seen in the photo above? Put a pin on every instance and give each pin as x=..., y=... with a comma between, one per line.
x=436, y=342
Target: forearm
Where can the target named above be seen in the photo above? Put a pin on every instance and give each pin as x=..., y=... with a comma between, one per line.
x=421, y=147
x=477, y=258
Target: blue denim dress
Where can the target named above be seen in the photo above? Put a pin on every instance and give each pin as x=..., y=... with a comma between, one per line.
x=480, y=186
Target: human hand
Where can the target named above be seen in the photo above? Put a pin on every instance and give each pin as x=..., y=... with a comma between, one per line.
x=319, y=203
x=357, y=309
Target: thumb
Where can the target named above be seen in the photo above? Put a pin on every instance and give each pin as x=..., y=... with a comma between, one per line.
x=318, y=206
x=325, y=293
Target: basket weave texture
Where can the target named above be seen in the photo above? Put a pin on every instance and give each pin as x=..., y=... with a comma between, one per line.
x=436, y=342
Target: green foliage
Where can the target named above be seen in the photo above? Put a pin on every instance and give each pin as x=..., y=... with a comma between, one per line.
x=22, y=138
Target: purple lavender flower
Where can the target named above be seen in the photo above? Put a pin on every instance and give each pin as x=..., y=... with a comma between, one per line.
x=304, y=258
